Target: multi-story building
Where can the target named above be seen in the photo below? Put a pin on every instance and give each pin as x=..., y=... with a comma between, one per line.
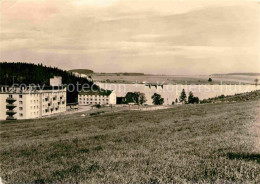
x=97, y=97
x=29, y=102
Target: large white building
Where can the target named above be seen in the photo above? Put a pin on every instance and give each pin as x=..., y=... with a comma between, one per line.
x=30, y=102
x=106, y=97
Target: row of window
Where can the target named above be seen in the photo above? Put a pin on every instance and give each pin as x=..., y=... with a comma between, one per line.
x=86, y=99
x=37, y=113
x=92, y=103
x=100, y=96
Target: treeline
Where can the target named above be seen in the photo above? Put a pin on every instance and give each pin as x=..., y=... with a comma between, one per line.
x=28, y=73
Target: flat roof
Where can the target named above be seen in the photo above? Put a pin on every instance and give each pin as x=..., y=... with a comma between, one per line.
x=96, y=92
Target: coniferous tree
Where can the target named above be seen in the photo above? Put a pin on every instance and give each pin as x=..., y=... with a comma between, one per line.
x=183, y=97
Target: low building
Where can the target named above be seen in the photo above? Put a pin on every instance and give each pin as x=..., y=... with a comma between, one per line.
x=28, y=102
x=97, y=97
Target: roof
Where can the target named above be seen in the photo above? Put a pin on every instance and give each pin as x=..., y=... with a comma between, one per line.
x=27, y=89
x=96, y=92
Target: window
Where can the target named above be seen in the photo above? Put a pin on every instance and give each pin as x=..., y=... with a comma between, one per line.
x=20, y=96
x=11, y=96
x=21, y=114
x=20, y=102
x=20, y=108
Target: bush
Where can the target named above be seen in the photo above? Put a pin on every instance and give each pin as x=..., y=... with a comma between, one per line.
x=98, y=106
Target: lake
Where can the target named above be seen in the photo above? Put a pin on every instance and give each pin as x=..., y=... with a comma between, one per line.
x=171, y=92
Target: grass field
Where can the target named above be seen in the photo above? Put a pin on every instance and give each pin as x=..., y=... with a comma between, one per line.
x=184, y=144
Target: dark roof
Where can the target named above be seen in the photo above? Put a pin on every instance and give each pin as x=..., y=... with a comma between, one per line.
x=96, y=92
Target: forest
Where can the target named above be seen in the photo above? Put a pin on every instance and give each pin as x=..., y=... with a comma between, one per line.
x=38, y=74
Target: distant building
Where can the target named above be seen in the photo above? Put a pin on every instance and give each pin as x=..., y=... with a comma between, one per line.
x=31, y=102
x=81, y=75
x=97, y=97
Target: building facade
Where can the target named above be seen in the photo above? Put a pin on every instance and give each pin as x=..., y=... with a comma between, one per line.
x=30, y=102
x=93, y=98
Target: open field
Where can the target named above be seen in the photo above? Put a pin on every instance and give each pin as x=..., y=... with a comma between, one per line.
x=188, y=143
x=176, y=79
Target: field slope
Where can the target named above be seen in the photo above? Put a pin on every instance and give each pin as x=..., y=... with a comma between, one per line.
x=189, y=143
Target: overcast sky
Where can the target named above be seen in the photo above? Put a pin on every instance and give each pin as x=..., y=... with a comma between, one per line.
x=151, y=36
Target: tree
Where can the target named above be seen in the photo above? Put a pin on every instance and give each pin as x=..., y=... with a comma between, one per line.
x=157, y=99
x=210, y=80
x=256, y=82
x=142, y=98
x=135, y=97
x=183, y=96
x=190, y=98
x=196, y=100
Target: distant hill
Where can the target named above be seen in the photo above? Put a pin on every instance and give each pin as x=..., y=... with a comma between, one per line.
x=246, y=74
x=82, y=71
x=122, y=73
x=28, y=73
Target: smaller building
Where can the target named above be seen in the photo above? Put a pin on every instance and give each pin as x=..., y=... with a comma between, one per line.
x=56, y=81
x=105, y=97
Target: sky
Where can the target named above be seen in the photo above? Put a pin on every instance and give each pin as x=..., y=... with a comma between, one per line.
x=177, y=37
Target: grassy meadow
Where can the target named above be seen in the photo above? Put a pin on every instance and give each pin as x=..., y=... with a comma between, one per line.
x=184, y=144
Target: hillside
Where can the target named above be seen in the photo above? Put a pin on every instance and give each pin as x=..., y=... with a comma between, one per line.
x=209, y=143
x=82, y=71
x=253, y=95
x=27, y=73
x=121, y=74
x=245, y=74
